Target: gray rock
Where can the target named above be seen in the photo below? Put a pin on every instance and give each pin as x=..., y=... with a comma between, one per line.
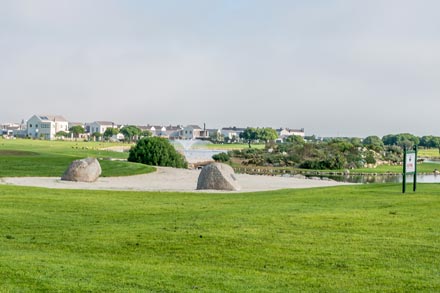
x=85, y=170
x=218, y=176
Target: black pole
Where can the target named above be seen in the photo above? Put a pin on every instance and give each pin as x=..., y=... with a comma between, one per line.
x=404, y=171
x=415, y=170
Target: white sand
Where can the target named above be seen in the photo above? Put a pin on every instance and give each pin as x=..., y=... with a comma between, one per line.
x=168, y=179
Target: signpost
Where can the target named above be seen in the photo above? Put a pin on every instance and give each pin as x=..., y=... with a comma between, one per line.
x=409, y=167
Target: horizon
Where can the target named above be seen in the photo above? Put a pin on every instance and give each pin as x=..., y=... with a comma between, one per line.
x=221, y=126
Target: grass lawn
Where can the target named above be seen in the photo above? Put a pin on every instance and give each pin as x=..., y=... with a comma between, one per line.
x=425, y=168
x=341, y=239
x=432, y=153
x=23, y=157
x=421, y=168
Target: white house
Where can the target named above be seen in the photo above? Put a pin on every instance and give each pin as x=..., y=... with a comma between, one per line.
x=232, y=133
x=46, y=126
x=99, y=126
x=193, y=132
x=171, y=132
x=284, y=132
x=13, y=129
x=154, y=129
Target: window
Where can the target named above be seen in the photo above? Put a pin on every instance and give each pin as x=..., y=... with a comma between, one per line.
x=30, y=125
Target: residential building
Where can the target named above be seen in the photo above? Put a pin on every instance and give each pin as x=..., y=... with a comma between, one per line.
x=232, y=133
x=99, y=126
x=172, y=132
x=194, y=132
x=72, y=124
x=13, y=129
x=46, y=126
x=155, y=130
x=284, y=132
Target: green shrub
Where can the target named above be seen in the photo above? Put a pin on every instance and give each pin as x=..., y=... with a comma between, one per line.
x=369, y=158
x=156, y=151
x=221, y=157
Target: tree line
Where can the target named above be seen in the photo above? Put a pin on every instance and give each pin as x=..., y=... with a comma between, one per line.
x=130, y=132
x=334, y=153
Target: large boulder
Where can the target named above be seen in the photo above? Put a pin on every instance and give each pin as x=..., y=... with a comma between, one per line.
x=85, y=170
x=217, y=176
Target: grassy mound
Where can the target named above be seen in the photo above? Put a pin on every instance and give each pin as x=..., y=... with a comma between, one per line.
x=21, y=158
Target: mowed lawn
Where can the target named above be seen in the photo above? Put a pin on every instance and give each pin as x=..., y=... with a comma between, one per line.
x=342, y=239
x=24, y=157
x=432, y=153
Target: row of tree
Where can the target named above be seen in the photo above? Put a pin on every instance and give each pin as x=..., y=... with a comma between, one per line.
x=402, y=140
x=130, y=132
x=329, y=154
x=251, y=134
x=407, y=140
x=335, y=153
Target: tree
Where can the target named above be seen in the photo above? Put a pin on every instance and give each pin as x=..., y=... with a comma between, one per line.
x=430, y=141
x=146, y=133
x=61, y=134
x=249, y=134
x=310, y=138
x=109, y=132
x=373, y=143
x=403, y=140
x=130, y=132
x=407, y=140
x=390, y=139
x=76, y=130
x=216, y=137
x=355, y=141
x=96, y=135
x=295, y=139
x=267, y=134
x=156, y=151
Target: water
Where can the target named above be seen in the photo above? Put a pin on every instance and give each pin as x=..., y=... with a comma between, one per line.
x=195, y=150
x=186, y=143
x=427, y=178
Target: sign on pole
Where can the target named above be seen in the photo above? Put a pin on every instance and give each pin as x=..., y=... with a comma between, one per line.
x=409, y=167
x=410, y=159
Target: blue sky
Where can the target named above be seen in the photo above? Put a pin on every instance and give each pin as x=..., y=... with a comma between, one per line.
x=335, y=68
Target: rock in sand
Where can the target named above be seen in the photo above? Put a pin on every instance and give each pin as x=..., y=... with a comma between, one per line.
x=85, y=170
x=218, y=176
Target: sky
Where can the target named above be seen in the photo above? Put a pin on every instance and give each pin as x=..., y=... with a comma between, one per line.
x=334, y=68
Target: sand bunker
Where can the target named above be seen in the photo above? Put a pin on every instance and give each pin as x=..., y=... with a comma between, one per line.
x=168, y=179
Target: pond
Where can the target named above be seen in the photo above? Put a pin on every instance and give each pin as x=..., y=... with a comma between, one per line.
x=195, y=150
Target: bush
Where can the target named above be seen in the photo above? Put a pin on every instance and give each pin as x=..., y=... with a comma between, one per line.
x=156, y=151
x=222, y=157
x=369, y=158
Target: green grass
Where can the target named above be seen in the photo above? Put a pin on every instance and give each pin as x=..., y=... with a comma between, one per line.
x=421, y=168
x=19, y=158
x=431, y=153
x=344, y=239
